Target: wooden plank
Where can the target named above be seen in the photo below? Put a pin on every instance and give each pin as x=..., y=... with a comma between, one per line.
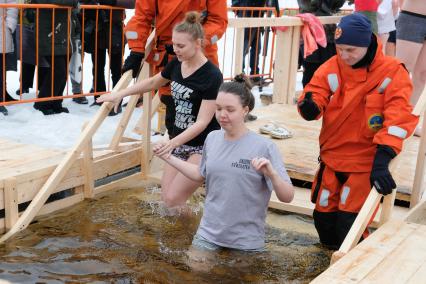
x=418, y=183
x=239, y=51
x=282, y=66
x=276, y=22
x=301, y=202
x=117, y=163
x=420, y=275
x=132, y=181
x=89, y=182
x=368, y=254
x=61, y=204
x=406, y=259
x=146, y=142
x=10, y=202
x=420, y=165
x=294, y=62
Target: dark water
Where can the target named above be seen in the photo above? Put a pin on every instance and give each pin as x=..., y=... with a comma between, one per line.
x=127, y=237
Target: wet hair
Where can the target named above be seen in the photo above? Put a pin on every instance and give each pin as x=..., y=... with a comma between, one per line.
x=191, y=25
x=241, y=87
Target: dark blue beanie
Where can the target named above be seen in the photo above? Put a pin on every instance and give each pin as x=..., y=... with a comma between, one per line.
x=354, y=29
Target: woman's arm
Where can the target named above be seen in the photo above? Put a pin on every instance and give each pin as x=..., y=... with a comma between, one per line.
x=205, y=115
x=141, y=87
x=284, y=190
x=189, y=170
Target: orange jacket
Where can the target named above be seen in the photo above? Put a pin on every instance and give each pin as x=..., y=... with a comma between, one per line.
x=168, y=14
x=361, y=108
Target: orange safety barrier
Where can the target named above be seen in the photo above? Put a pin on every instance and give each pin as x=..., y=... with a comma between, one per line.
x=99, y=10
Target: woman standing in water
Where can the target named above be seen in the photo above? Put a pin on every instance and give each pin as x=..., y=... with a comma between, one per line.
x=194, y=84
x=240, y=169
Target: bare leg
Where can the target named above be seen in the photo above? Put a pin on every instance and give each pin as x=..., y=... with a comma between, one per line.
x=175, y=187
x=413, y=55
x=390, y=49
x=384, y=39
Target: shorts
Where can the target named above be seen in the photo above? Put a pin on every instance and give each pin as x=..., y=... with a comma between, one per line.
x=202, y=243
x=411, y=27
x=183, y=152
x=392, y=37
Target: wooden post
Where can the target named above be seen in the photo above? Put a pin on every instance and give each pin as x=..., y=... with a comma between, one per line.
x=239, y=51
x=89, y=182
x=11, y=213
x=294, y=62
x=417, y=192
x=146, y=137
x=282, y=65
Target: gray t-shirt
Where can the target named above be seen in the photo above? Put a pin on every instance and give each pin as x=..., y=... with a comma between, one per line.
x=237, y=195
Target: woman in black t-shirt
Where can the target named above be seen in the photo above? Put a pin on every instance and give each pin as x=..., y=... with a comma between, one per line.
x=194, y=83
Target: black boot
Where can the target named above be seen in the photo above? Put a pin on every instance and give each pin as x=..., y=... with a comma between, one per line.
x=3, y=110
x=80, y=100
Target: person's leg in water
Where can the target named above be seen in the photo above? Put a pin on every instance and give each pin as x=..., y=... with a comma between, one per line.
x=176, y=188
x=201, y=254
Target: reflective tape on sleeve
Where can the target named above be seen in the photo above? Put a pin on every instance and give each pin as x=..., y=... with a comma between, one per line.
x=131, y=35
x=214, y=39
x=333, y=82
x=384, y=84
x=397, y=131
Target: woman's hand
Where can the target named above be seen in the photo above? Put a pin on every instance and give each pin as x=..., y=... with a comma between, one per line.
x=113, y=97
x=164, y=149
x=264, y=166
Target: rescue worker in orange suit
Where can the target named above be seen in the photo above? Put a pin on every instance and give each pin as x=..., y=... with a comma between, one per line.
x=363, y=99
x=164, y=15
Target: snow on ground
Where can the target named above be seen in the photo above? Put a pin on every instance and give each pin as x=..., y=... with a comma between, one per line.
x=27, y=125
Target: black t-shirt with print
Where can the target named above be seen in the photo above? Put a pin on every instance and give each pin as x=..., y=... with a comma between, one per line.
x=188, y=93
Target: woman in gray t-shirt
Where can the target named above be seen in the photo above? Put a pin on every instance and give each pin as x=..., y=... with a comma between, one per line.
x=240, y=168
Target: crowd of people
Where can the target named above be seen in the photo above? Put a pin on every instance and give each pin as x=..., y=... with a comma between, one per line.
x=364, y=98
x=52, y=59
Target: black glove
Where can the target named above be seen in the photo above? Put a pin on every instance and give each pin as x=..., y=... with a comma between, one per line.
x=133, y=62
x=380, y=176
x=308, y=109
x=108, y=2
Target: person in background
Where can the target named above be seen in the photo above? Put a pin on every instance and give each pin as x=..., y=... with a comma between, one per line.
x=363, y=99
x=194, y=82
x=57, y=57
x=29, y=62
x=385, y=21
x=369, y=9
x=98, y=45
x=411, y=44
x=8, y=21
x=165, y=15
x=312, y=62
x=234, y=208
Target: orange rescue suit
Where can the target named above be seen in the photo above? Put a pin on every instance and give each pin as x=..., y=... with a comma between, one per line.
x=361, y=108
x=165, y=15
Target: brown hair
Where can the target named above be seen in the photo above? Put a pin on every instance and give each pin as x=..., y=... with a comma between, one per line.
x=241, y=87
x=191, y=25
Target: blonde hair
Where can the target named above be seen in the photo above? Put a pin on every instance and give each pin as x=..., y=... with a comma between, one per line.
x=191, y=25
